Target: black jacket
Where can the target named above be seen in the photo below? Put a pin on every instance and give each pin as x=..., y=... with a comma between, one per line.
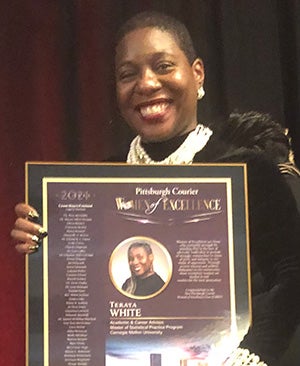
x=275, y=249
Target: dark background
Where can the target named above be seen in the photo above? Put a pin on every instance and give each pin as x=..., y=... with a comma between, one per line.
x=57, y=96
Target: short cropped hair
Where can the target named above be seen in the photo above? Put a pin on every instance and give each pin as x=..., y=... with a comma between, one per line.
x=165, y=23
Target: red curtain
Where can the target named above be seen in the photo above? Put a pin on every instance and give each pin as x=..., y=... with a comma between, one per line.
x=55, y=101
x=32, y=120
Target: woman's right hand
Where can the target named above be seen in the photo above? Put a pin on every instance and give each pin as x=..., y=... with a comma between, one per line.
x=27, y=233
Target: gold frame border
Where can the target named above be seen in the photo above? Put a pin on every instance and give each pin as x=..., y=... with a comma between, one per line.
x=124, y=164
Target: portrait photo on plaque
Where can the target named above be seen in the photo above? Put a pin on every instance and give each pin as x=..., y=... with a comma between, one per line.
x=140, y=267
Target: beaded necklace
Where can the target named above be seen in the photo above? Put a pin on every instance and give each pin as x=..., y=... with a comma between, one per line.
x=194, y=142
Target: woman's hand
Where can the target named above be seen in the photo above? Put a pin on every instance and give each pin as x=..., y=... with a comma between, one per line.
x=27, y=233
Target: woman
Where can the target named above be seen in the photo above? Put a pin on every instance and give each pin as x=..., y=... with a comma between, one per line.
x=158, y=81
x=143, y=281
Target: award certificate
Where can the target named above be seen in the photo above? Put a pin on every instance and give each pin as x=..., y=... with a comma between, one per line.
x=143, y=265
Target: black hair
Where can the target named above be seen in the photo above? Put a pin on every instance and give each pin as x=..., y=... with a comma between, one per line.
x=165, y=23
x=144, y=245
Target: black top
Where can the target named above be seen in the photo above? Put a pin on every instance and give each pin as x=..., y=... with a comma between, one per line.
x=146, y=286
x=275, y=251
x=274, y=242
x=294, y=182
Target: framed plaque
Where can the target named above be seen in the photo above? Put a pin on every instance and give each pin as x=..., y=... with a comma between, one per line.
x=143, y=265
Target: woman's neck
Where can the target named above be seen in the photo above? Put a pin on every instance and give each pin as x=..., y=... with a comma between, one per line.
x=160, y=150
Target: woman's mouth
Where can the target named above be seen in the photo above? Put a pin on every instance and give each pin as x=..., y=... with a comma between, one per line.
x=137, y=269
x=153, y=110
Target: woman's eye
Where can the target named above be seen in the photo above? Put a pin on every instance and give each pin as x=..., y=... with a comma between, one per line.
x=126, y=75
x=165, y=66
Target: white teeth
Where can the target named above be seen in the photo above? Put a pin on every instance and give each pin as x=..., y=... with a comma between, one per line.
x=153, y=109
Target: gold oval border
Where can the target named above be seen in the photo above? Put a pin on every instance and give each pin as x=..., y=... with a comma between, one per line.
x=151, y=241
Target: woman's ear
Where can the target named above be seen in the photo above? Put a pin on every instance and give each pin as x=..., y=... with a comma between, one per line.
x=198, y=70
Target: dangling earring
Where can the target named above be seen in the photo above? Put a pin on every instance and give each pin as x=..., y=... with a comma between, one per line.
x=200, y=93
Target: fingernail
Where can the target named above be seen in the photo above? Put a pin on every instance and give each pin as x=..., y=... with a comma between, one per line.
x=36, y=239
x=33, y=216
x=33, y=247
x=42, y=233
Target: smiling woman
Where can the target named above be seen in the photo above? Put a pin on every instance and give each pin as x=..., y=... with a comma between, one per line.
x=156, y=84
x=158, y=81
x=143, y=281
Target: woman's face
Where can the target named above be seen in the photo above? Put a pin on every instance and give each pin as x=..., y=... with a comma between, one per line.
x=156, y=85
x=140, y=262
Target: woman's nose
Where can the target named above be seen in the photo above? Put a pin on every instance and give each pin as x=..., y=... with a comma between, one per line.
x=134, y=261
x=148, y=82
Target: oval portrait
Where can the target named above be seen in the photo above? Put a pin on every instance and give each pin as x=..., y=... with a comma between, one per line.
x=140, y=267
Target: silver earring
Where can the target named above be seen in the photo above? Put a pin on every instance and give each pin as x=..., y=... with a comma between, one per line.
x=200, y=93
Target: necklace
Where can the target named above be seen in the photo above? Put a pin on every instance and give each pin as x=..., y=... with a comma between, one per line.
x=194, y=142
